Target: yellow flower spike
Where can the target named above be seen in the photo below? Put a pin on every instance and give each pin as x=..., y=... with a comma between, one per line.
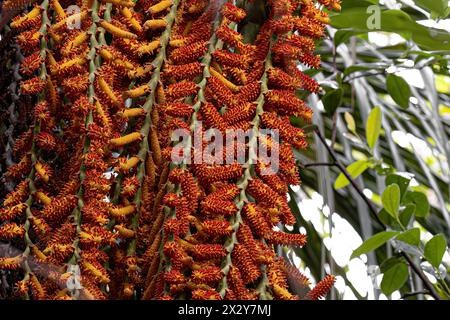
x=161, y=6
x=155, y=24
x=40, y=169
x=78, y=40
x=58, y=9
x=130, y=163
x=226, y=82
x=137, y=92
x=29, y=16
x=107, y=90
x=124, y=232
x=121, y=3
x=123, y=211
x=149, y=48
x=134, y=23
x=42, y=197
x=116, y=31
x=131, y=112
x=127, y=139
x=177, y=43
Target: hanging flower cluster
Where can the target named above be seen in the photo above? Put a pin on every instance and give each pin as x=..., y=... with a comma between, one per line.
x=98, y=200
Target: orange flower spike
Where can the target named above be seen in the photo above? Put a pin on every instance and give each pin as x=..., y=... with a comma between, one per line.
x=283, y=25
x=288, y=132
x=30, y=64
x=220, y=91
x=335, y=4
x=287, y=239
x=11, y=230
x=216, y=206
x=159, y=7
x=23, y=143
x=38, y=290
x=177, y=109
x=17, y=196
x=32, y=86
x=12, y=263
x=243, y=112
x=174, y=277
x=116, y=31
x=127, y=139
x=230, y=36
x=207, y=251
x=68, y=67
x=262, y=192
x=309, y=27
x=231, y=59
x=109, y=92
x=19, y=169
x=305, y=43
x=59, y=208
x=201, y=294
x=181, y=90
x=233, y=13
x=189, y=53
x=94, y=236
x=27, y=20
x=295, y=277
x=209, y=275
x=184, y=72
x=72, y=86
x=250, y=271
x=40, y=226
x=212, y=117
x=130, y=186
x=46, y=141
x=256, y=219
x=217, y=228
x=95, y=270
x=29, y=40
x=282, y=293
x=282, y=80
x=322, y=288
x=220, y=173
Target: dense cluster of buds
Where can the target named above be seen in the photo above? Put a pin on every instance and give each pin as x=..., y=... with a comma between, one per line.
x=96, y=189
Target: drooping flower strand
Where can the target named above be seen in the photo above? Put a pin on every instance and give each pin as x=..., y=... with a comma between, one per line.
x=140, y=196
x=22, y=205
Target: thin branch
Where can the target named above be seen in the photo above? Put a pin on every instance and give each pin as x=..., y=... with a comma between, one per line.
x=373, y=211
x=318, y=164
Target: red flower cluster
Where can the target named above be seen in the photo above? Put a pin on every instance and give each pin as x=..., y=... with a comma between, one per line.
x=94, y=183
